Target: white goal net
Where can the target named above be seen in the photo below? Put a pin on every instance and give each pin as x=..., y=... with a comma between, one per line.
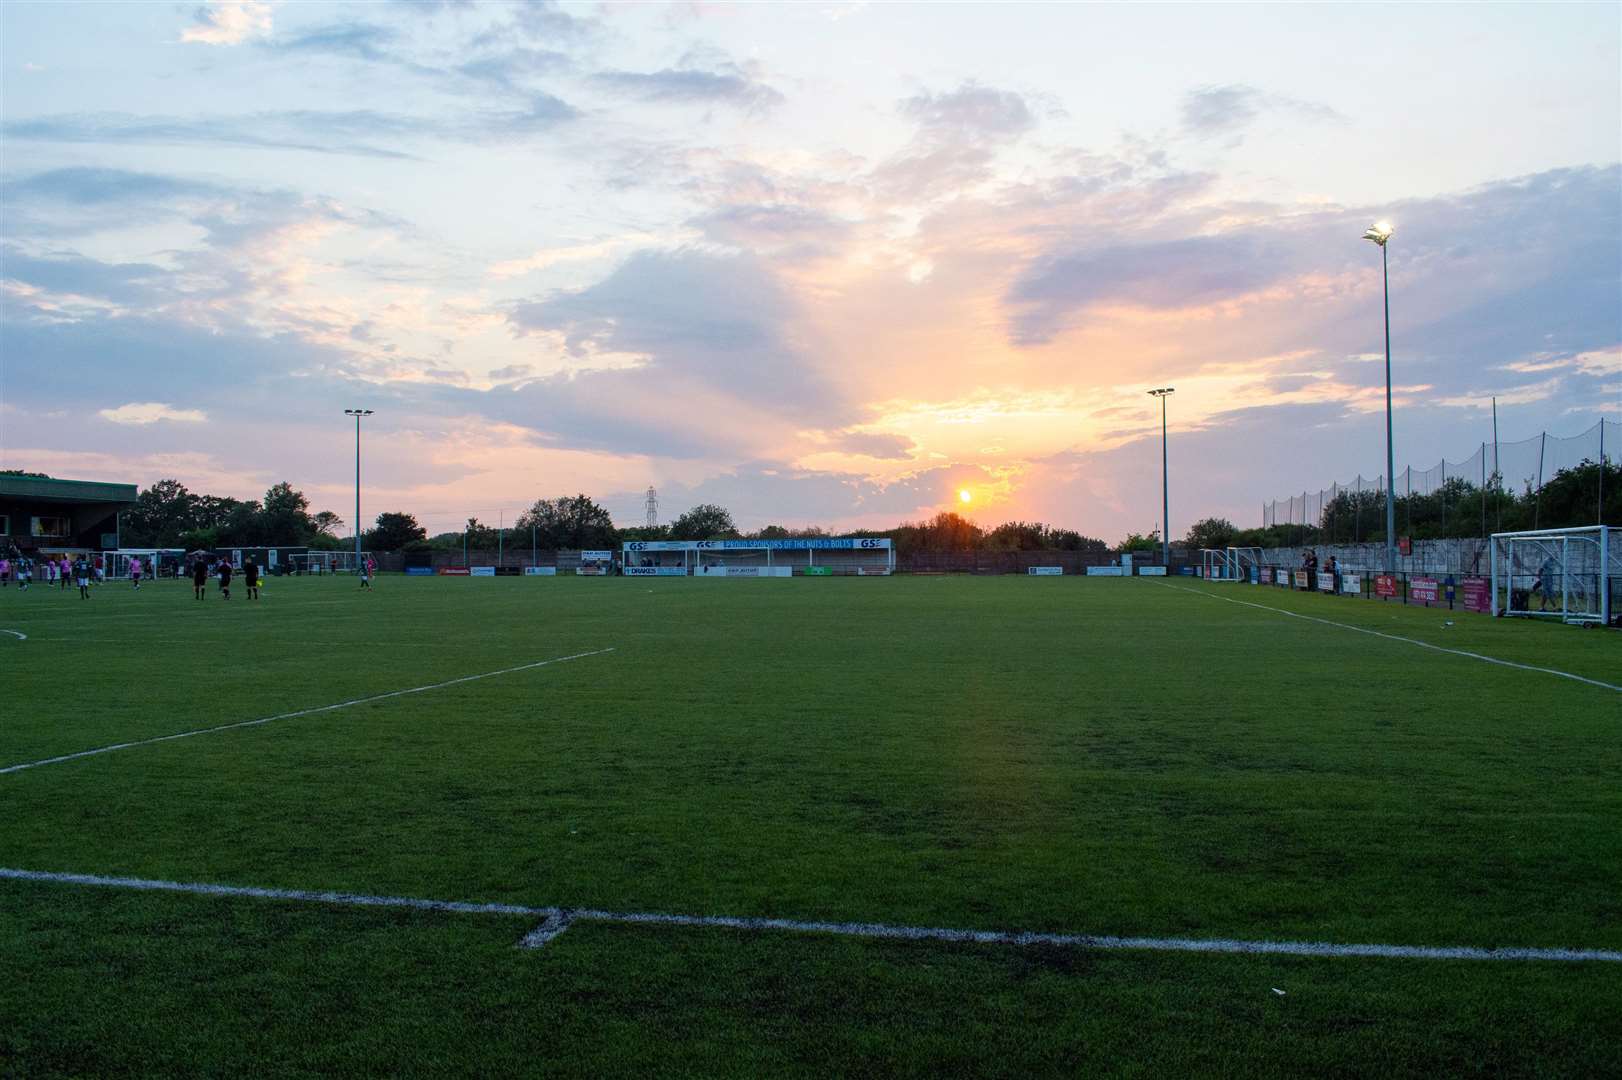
x=1568, y=574
x=327, y=562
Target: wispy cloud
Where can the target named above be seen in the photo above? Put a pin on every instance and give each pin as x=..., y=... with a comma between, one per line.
x=150, y=412
x=228, y=22
x=1228, y=110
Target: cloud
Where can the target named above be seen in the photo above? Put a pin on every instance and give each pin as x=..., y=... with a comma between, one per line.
x=360, y=41
x=788, y=231
x=971, y=112
x=957, y=137
x=726, y=321
x=687, y=86
x=228, y=22
x=351, y=132
x=1228, y=110
x=150, y=412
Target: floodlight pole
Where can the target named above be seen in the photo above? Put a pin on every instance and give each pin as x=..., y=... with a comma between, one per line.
x=1380, y=233
x=1165, y=486
x=357, y=414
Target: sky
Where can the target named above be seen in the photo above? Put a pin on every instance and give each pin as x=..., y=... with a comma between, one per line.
x=824, y=264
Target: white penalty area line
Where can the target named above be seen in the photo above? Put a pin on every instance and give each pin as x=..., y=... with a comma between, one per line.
x=1399, y=637
x=300, y=712
x=555, y=920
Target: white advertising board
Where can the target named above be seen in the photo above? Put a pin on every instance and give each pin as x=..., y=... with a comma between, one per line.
x=1105, y=571
x=655, y=571
x=540, y=571
x=1351, y=583
x=482, y=571
x=1044, y=571
x=1151, y=571
x=1326, y=581
x=596, y=556
x=743, y=571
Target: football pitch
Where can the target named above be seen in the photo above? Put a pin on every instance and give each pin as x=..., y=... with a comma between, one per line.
x=735, y=827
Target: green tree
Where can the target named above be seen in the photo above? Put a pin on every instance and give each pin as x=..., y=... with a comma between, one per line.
x=950, y=532
x=162, y=514
x=285, y=516
x=1210, y=532
x=705, y=521
x=393, y=531
x=327, y=523
x=573, y=522
x=1140, y=541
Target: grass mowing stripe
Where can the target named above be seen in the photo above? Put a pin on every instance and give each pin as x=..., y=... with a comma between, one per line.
x=300, y=712
x=1399, y=637
x=556, y=920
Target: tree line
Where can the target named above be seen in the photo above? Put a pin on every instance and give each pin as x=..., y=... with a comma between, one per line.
x=167, y=514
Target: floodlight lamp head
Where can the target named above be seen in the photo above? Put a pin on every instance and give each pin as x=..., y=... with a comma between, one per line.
x=357, y=412
x=1162, y=392
x=1379, y=232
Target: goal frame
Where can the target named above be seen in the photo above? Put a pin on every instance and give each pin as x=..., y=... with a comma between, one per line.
x=1505, y=573
x=334, y=562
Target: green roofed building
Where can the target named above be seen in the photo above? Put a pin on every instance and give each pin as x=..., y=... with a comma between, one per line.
x=42, y=513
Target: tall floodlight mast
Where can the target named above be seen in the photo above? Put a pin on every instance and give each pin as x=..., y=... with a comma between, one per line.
x=357, y=414
x=1380, y=233
x=1165, y=488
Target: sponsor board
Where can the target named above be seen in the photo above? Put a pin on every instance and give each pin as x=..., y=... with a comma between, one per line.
x=419, y=571
x=743, y=571
x=1189, y=571
x=1104, y=571
x=1151, y=571
x=1301, y=579
x=1351, y=584
x=1424, y=590
x=540, y=571
x=1385, y=585
x=818, y=571
x=842, y=544
x=1326, y=581
x=1044, y=571
x=596, y=556
x=453, y=571
x=1477, y=594
x=654, y=571
x=481, y=571
x=873, y=571
x=589, y=570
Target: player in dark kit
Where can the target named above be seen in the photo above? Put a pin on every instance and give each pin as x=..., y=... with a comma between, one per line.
x=250, y=577
x=199, y=578
x=224, y=570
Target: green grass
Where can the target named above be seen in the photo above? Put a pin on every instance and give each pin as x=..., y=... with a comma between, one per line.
x=1113, y=757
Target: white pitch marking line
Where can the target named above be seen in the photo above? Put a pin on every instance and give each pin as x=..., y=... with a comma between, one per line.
x=1398, y=637
x=300, y=712
x=556, y=920
x=18, y=634
x=553, y=925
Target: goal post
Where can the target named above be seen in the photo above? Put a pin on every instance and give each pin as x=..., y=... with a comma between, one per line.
x=327, y=562
x=1569, y=574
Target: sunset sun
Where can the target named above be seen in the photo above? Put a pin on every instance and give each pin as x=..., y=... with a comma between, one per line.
x=964, y=496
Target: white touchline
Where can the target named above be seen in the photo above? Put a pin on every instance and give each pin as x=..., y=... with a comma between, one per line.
x=555, y=920
x=300, y=712
x=1398, y=637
